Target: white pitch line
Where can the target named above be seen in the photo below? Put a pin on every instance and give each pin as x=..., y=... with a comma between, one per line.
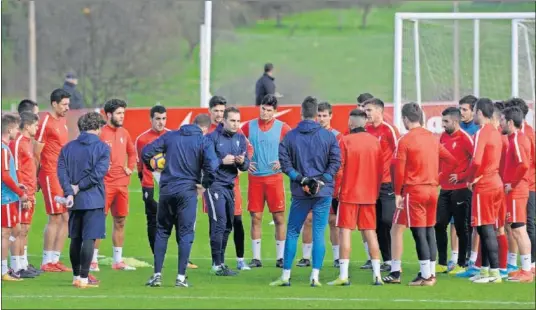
x=445, y=301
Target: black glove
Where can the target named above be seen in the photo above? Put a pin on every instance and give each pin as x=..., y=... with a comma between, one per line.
x=311, y=186
x=334, y=205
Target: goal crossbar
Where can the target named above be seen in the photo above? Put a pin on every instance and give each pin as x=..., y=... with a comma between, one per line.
x=471, y=16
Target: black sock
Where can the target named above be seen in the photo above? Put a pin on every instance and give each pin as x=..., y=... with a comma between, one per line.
x=483, y=247
x=74, y=253
x=492, y=246
x=421, y=242
x=238, y=235
x=431, y=237
x=86, y=254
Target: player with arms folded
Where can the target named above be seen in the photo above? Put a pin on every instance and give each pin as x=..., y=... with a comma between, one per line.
x=455, y=197
x=516, y=187
x=362, y=170
x=122, y=162
x=487, y=187
x=12, y=193
x=416, y=179
x=311, y=171
x=190, y=167
x=265, y=177
x=82, y=166
x=52, y=135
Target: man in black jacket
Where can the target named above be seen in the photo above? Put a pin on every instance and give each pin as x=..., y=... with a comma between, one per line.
x=265, y=84
x=77, y=100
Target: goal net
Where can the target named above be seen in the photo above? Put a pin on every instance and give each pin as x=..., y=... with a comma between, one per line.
x=440, y=57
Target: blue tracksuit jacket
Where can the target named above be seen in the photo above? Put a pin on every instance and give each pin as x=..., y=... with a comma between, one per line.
x=311, y=151
x=188, y=153
x=226, y=143
x=84, y=162
x=471, y=128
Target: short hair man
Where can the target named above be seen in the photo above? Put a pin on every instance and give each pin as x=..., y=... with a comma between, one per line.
x=417, y=160
x=265, y=84
x=122, y=162
x=77, y=100
x=216, y=110
x=22, y=148
x=454, y=198
x=528, y=130
x=82, y=166
x=362, y=171
x=158, y=119
x=52, y=134
x=467, y=123
x=265, y=177
x=311, y=171
x=12, y=193
x=325, y=113
x=516, y=186
x=385, y=205
x=231, y=148
x=486, y=184
x=189, y=155
x=27, y=105
x=361, y=100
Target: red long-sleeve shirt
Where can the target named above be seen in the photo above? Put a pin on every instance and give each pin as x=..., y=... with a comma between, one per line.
x=460, y=145
x=417, y=159
x=388, y=136
x=123, y=154
x=529, y=133
x=23, y=153
x=486, y=159
x=517, y=163
x=361, y=168
x=142, y=140
x=6, y=177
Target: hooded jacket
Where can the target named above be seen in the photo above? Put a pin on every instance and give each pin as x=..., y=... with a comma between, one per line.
x=226, y=143
x=188, y=155
x=84, y=162
x=310, y=151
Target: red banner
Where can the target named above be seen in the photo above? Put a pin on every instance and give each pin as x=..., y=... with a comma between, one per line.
x=137, y=120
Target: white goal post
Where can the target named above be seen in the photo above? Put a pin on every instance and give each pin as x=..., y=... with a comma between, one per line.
x=439, y=57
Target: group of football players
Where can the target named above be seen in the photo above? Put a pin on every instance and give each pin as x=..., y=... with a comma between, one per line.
x=484, y=163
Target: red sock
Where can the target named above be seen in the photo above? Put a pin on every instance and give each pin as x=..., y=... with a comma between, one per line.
x=478, y=262
x=503, y=250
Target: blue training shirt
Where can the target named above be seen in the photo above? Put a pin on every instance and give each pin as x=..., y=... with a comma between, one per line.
x=266, y=146
x=9, y=196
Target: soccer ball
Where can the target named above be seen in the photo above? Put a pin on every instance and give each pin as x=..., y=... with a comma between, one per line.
x=158, y=162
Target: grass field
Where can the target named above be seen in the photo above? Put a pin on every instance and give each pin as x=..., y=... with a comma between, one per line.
x=250, y=289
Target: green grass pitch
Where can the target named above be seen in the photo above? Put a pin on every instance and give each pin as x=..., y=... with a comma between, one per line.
x=249, y=290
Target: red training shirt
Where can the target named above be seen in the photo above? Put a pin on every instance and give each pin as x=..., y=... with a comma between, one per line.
x=517, y=163
x=54, y=134
x=123, y=154
x=388, y=136
x=486, y=159
x=25, y=164
x=417, y=159
x=529, y=133
x=460, y=145
x=361, y=168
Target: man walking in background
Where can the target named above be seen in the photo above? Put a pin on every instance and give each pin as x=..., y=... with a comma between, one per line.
x=265, y=84
x=82, y=166
x=311, y=171
x=122, y=162
x=189, y=155
x=77, y=100
x=265, y=177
